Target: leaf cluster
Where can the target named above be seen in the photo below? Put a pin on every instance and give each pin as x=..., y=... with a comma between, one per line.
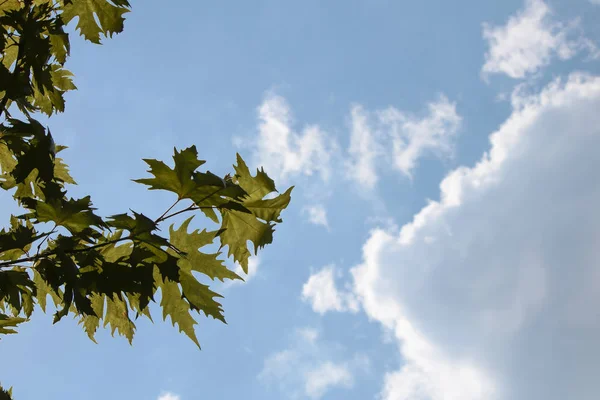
x=107, y=271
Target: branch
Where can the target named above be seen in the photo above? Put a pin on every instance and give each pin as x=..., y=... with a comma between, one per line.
x=190, y=208
x=162, y=217
x=47, y=235
x=73, y=251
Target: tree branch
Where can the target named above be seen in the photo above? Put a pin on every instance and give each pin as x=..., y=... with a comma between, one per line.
x=73, y=251
x=162, y=217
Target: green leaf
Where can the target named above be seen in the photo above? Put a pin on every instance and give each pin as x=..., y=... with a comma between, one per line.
x=15, y=242
x=200, y=297
x=117, y=316
x=238, y=229
x=60, y=45
x=43, y=290
x=174, y=306
x=270, y=209
x=5, y=394
x=195, y=260
x=110, y=17
x=257, y=186
x=177, y=180
x=75, y=215
x=92, y=322
x=8, y=323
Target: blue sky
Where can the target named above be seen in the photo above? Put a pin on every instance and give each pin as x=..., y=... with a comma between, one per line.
x=442, y=239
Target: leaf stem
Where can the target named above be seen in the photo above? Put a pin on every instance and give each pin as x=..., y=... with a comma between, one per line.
x=190, y=208
x=162, y=217
x=46, y=236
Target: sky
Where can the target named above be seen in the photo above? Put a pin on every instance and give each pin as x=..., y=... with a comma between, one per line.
x=442, y=239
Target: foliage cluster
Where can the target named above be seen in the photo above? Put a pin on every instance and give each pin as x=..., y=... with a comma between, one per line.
x=106, y=271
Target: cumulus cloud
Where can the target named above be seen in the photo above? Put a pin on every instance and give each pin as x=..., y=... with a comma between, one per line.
x=492, y=291
x=168, y=396
x=391, y=135
x=310, y=367
x=286, y=153
x=529, y=40
x=317, y=215
x=322, y=293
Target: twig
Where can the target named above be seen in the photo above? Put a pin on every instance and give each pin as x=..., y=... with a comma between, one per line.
x=157, y=220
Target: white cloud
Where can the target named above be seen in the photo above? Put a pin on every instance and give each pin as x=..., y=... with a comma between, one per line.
x=253, y=263
x=311, y=367
x=285, y=153
x=529, y=41
x=493, y=291
x=365, y=148
x=393, y=136
x=168, y=396
x=317, y=215
x=322, y=293
x=412, y=137
x=325, y=376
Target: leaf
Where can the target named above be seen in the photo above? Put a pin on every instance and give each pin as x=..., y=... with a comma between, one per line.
x=43, y=290
x=195, y=260
x=15, y=242
x=5, y=394
x=75, y=215
x=60, y=45
x=110, y=17
x=61, y=171
x=257, y=186
x=200, y=297
x=118, y=318
x=179, y=179
x=92, y=322
x=238, y=229
x=8, y=323
x=177, y=308
x=270, y=209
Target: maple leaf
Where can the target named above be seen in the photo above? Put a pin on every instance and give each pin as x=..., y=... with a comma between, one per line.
x=200, y=297
x=174, y=306
x=195, y=260
x=257, y=186
x=75, y=215
x=178, y=180
x=8, y=323
x=117, y=317
x=110, y=17
x=269, y=209
x=241, y=227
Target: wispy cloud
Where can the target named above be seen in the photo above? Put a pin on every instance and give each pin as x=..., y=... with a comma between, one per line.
x=168, y=396
x=253, y=263
x=316, y=215
x=310, y=368
x=412, y=137
x=286, y=153
x=529, y=40
x=323, y=295
x=391, y=136
x=365, y=148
